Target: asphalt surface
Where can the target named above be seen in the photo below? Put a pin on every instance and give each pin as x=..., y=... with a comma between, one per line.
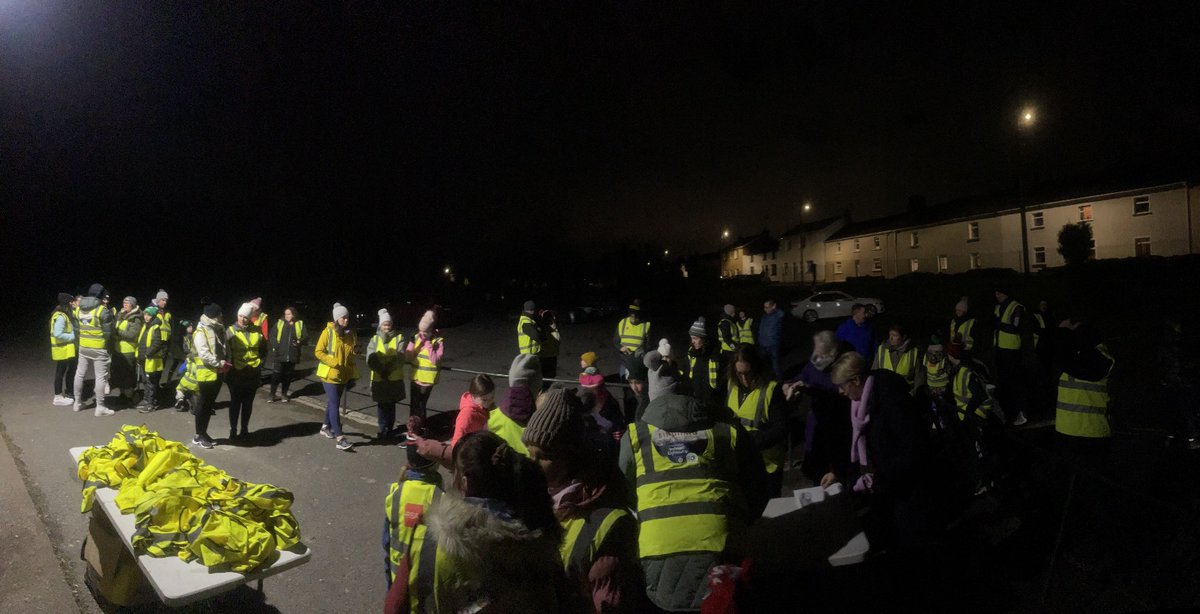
x=338, y=495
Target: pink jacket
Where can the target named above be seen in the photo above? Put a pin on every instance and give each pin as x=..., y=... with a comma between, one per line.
x=471, y=418
x=435, y=354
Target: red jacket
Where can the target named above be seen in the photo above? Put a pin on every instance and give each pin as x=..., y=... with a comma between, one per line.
x=471, y=418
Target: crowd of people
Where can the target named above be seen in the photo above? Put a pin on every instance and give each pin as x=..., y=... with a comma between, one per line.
x=568, y=498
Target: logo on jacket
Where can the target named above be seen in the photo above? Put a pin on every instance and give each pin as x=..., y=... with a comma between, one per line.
x=680, y=447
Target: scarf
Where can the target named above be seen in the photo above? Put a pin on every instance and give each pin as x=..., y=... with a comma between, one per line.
x=859, y=419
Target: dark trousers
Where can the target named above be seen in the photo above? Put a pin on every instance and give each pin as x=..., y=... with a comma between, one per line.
x=64, y=377
x=418, y=399
x=282, y=376
x=1010, y=385
x=205, y=399
x=549, y=369
x=386, y=415
x=333, y=398
x=242, y=389
x=772, y=353
x=150, y=382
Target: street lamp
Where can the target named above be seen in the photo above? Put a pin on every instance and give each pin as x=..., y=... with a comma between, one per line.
x=666, y=252
x=1026, y=122
x=725, y=234
x=803, y=240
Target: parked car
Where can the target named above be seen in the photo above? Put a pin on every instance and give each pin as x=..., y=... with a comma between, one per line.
x=578, y=314
x=832, y=304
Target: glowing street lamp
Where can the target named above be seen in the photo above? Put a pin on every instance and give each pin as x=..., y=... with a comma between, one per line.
x=1027, y=118
x=666, y=252
x=725, y=234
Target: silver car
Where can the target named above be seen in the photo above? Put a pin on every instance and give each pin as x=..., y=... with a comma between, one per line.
x=832, y=304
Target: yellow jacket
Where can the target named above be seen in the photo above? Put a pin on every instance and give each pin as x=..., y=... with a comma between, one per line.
x=336, y=354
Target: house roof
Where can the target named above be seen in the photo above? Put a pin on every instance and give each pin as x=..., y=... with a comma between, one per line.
x=754, y=244
x=821, y=224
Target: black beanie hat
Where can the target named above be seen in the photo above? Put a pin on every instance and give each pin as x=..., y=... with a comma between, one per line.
x=65, y=299
x=96, y=290
x=212, y=310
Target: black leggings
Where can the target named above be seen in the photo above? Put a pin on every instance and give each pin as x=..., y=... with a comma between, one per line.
x=282, y=375
x=241, y=403
x=418, y=399
x=64, y=376
x=206, y=398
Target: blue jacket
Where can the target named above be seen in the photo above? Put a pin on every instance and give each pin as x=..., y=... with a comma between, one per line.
x=770, y=327
x=858, y=336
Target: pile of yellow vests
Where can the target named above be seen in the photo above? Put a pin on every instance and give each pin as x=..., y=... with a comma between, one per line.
x=186, y=507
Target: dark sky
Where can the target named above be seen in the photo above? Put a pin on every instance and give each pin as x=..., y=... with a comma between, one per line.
x=350, y=135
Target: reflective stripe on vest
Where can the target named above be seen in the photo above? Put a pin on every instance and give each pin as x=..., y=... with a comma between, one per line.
x=1041, y=326
x=903, y=367
x=1082, y=409
x=425, y=371
x=91, y=335
x=753, y=412
x=1007, y=337
x=583, y=538
x=962, y=391
x=244, y=348
x=713, y=373
x=406, y=504
x=937, y=375
x=507, y=429
x=682, y=506
x=202, y=372
x=391, y=349
x=633, y=336
x=151, y=364
x=745, y=332
x=61, y=350
x=961, y=333
x=124, y=346
x=525, y=343
x=168, y=324
x=728, y=346
x=298, y=325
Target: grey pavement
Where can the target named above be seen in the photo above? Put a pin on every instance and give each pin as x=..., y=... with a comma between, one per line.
x=339, y=495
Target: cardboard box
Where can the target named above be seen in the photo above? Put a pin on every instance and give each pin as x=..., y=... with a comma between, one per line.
x=112, y=570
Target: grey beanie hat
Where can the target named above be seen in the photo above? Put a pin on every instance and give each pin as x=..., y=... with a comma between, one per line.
x=526, y=370
x=131, y=300
x=556, y=425
x=339, y=312
x=697, y=329
x=529, y=306
x=162, y=295
x=661, y=375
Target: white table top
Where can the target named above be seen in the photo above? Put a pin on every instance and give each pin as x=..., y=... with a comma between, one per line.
x=855, y=550
x=177, y=582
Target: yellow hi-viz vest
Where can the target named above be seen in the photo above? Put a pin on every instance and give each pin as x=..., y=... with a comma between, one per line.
x=507, y=429
x=200, y=371
x=745, y=334
x=1007, y=337
x=406, y=504
x=1082, y=409
x=583, y=538
x=525, y=343
x=633, y=336
x=91, y=335
x=753, y=412
x=425, y=371
x=962, y=333
x=937, y=375
x=682, y=506
x=243, y=348
x=297, y=325
x=962, y=395
x=905, y=366
x=391, y=349
x=61, y=350
x=152, y=364
x=727, y=345
x=123, y=346
x=713, y=373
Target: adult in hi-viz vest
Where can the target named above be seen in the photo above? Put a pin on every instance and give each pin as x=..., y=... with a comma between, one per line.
x=96, y=326
x=1006, y=343
x=1081, y=411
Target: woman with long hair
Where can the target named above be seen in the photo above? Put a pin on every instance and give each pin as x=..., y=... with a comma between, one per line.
x=756, y=401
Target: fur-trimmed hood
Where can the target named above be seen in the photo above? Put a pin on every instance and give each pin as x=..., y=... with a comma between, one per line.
x=497, y=560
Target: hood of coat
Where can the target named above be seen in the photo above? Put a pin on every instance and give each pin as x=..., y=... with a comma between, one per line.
x=211, y=323
x=88, y=303
x=485, y=544
x=677, y=413
x=902, y=348
x=133, y=315
x=518, y=404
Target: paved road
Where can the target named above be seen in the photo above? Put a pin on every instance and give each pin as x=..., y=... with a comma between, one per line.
x=339, y=495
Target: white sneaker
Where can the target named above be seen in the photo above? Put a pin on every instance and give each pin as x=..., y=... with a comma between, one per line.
x=103, y=411
x=78, y=406
x=1020, y=419
x=62, y=401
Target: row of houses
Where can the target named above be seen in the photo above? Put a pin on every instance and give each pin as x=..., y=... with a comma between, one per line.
x=974, y=233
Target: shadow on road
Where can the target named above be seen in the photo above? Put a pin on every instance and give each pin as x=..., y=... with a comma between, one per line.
x=274, y=435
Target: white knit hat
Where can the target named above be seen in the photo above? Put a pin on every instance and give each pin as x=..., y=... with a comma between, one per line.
x=340, y=312
x=246, y=310
x=162, y=295
x=664, y=348
x=384, y=316
x=426, y=323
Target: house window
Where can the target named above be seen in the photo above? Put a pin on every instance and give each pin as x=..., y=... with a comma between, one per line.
x=772, y=255
x=857, y=267
x=857, y=245
x=876, y=265
x=976, y=261
x=1092, y=250
x=752, y=269
x=1141, y=246
x=943, y=263
x=1141, y=206
x=1039, y=257
x=837, y=268
x=774, y=270
x=914, y=265
x=875, y=241
x=973, y=231
x=1085, y=213
x=1037, y=220
x=914, y=239
x=785, y=269
x=837, y=247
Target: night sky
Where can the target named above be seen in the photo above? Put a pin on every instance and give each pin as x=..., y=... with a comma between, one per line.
x=263, y=137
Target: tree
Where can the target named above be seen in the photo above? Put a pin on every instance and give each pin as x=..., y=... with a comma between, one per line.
x=1075, y=242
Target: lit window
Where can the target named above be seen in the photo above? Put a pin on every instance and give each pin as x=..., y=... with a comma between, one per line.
x=1141, y=246
x=973, y=231
x=1037, y=220
x=914, y=265
x=875, y=241
x=857, y=245
x=914, y=239
x=943, y=263
x=1039, y=257
x=976, y=261
x=1085, y=213
x=1141, y=206
x=837, y=267
x=876, y=265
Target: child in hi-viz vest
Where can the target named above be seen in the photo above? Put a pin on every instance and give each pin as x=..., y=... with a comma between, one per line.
x=407, y=502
